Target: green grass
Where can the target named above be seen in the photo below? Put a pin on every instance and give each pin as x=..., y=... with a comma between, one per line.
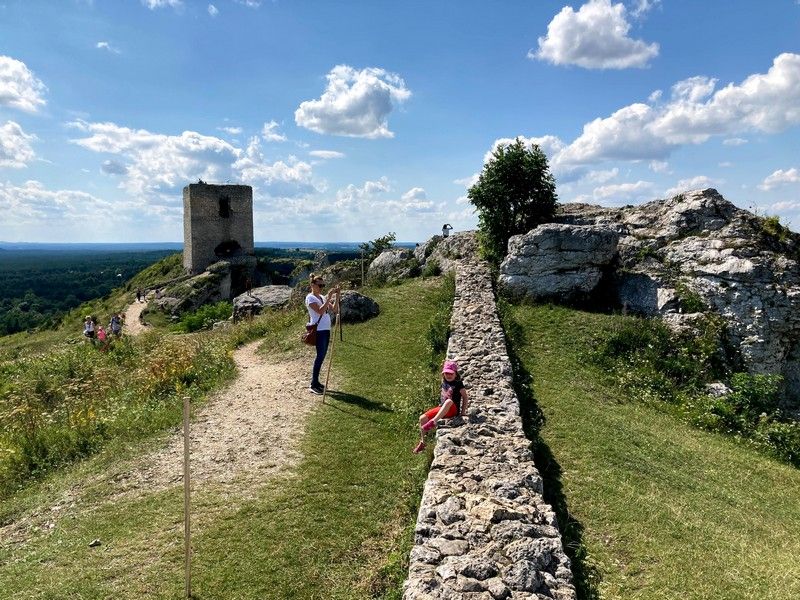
x=651, y=507
x=339, y=527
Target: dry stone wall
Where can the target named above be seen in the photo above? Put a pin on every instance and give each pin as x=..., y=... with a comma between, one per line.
x=484, y=530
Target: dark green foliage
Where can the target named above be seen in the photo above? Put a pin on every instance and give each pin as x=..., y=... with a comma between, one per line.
x=373, y=248
x=38, y=286
x=431, y=269
x=771, y=226
x=514, y=194
x=204, y=317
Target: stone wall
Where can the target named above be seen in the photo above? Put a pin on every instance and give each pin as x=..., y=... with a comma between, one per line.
x=483, y=529
x=217, y=225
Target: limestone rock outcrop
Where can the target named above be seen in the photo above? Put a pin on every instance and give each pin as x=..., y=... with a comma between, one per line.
x=695, y=252
x=256, y=300
x=391, y=264
x=561, y=261
x=448, y=252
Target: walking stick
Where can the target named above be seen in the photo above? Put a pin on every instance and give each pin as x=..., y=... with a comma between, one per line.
x=333, y=340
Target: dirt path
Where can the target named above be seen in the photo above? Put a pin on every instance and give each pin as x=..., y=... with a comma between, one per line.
x=241, y=439
x=246, y=433
x=132, y=324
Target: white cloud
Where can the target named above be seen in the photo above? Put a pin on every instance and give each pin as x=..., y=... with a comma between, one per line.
x=353, y=196
x=627, y=191
x=355, y=103
x=785, y=206
x=249, y=3
x=659, y=166
x=595, y=37
x=289, y=179
x=643, y=7
x=734, y=141
x=468, y=182
x=160, y=163
x=326, y=154
x=213, y=10
x=270, y=133
x=19, y=87
x=32, y=203
x=549, y=144
x=767, y=102
x=154, y=4
x=725, y=164
x=15, y=146
x=601, y=176
x=112, y=167
x=106, y=46
x=231, y=130
x=780, y=178
x=694, y=183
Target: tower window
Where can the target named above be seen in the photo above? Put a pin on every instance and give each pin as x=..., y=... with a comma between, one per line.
x=225, y=207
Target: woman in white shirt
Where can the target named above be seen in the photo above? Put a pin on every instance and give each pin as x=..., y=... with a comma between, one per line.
x=318, y=306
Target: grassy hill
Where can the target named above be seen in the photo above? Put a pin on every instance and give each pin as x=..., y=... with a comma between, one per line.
x=651, y=507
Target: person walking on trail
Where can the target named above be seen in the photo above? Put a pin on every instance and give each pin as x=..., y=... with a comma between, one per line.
x=88, y=328
x=452, y=402
x=318, y=306
x=138, y=294
x=115, y=325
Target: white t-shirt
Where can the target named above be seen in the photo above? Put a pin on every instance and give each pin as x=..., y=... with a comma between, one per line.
x=325, y=321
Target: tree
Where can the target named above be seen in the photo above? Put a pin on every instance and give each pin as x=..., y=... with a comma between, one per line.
x=373, y=249
x=514, y=193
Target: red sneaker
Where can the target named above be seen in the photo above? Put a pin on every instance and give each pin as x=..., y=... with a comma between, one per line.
x=419, y=448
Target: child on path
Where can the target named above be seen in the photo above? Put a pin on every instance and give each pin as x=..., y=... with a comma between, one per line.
x=102, y=338
x=453, y=401
x=115, y=325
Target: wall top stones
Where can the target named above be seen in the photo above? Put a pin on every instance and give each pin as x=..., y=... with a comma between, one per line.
x=484, y=530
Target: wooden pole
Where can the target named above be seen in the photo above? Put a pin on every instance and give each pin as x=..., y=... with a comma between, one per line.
x=186, y=488
x=330, y=356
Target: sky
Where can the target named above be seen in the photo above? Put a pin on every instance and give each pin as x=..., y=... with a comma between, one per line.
x=351, y=119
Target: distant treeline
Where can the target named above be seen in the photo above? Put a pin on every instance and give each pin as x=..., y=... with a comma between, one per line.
x=38, y=286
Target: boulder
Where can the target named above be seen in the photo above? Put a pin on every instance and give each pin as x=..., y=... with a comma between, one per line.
x=557, y=261
x=698, y=252
x=391, y=265
x=256, y=300
x=357, y=307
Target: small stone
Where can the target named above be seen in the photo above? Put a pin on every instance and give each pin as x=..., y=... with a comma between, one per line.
x=523, y=576
x=94, y=543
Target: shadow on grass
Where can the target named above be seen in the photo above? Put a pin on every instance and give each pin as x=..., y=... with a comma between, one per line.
x=358, y=401
x=586, y=577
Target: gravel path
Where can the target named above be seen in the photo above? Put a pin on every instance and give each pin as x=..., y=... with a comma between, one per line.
x=133, y=324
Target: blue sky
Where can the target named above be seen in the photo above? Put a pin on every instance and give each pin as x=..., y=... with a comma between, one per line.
x=351, y=119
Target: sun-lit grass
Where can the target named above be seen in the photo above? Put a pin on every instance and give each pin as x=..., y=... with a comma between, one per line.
x=339, y=527
x=657, y=509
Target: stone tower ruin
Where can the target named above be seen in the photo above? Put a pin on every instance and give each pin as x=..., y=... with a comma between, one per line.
x=217, y=226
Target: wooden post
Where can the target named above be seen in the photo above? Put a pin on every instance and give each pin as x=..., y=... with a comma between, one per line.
x=186, y=488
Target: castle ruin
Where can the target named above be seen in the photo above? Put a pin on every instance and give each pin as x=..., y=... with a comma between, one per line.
x=217, y=224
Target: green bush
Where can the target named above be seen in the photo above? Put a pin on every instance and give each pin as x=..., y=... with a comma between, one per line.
x=431, y=269
x=204, y=317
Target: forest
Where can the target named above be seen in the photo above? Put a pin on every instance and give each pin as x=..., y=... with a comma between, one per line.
x=38, y=286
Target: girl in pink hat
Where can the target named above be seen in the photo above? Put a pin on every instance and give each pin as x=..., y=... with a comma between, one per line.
x=453, y=401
